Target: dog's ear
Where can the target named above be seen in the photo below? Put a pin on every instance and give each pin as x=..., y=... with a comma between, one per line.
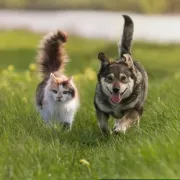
x=104, y=60
x=129, y=63
x=128, y=60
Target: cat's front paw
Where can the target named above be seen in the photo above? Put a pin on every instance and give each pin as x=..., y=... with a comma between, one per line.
x=66, y=126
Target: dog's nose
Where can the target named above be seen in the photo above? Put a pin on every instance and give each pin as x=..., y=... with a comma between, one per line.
x=116, y=89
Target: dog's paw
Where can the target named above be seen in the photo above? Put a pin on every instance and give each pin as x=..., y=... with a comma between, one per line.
x=120, y=128
x=106, y=132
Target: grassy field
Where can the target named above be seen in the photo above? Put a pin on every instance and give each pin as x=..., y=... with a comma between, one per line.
x=30, y=150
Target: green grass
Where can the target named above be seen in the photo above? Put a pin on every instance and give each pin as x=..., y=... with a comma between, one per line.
x=30, y=150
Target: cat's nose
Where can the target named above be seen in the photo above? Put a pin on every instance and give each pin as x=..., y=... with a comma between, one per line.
x=59, y=98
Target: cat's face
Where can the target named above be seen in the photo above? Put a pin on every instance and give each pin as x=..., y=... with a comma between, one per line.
x=61, y=90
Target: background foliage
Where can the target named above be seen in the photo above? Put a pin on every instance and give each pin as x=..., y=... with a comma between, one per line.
x=141, y=6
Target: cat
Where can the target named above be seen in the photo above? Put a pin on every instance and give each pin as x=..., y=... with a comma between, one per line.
x=57, y=97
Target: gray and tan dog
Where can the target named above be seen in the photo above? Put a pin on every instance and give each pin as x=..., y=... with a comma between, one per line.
x=122, y=86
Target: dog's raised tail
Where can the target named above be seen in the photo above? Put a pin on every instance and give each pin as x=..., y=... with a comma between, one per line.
x=51, y=55
x=125, y=44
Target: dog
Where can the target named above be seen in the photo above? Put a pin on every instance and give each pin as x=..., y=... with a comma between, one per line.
x=122, y=86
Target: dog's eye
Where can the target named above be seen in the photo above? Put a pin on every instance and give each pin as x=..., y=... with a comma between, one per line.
x=123, y=78
x=110, y=77
x=54, y=91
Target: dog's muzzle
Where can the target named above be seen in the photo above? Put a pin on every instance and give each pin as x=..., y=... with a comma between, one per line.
x=116, y=90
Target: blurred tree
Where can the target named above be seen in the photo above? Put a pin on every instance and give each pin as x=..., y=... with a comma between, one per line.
x=140, y=6
x=153, y=6
x=174, y=6
x=14, y=3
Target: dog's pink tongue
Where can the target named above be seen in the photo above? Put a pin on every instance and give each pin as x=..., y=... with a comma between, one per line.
x=115, y=98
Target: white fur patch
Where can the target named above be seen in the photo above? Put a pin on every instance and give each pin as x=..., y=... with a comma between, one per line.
x=127, y=88
x=106, y=87
x=58, y=111
x=120, y=128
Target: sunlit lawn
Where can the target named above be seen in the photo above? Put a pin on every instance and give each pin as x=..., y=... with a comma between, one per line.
x=30, y=150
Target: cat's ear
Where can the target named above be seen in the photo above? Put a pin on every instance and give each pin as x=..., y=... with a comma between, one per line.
x=70, y=79
x=52, y=77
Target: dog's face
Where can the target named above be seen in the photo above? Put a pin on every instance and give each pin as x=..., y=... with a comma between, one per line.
x=116, y=80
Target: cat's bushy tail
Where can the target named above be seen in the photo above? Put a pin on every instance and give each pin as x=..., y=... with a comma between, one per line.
x=51, y=54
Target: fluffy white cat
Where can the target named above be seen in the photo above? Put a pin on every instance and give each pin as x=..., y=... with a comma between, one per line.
x=56, y=96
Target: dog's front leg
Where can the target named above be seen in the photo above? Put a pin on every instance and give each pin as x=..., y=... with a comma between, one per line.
x=103, y=121
x=130, y=118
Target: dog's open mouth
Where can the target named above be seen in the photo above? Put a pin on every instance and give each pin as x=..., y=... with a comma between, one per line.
x=117, y=97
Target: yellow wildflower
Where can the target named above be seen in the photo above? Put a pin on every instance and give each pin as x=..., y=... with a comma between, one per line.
x=84, y=162
x=90, y=74
x=24, y=100
x=32, y=67
x=10, y=68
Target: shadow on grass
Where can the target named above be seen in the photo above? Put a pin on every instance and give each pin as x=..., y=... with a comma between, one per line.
x=85, y=136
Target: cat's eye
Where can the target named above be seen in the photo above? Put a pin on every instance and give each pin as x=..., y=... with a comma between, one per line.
x=65, y=92
x=110, y=77
x=54, y=91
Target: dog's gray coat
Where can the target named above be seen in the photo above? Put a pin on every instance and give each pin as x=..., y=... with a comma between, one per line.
x=129, y=109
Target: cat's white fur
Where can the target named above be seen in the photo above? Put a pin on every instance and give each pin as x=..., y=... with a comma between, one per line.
x=54, y=111
x=55, y=99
